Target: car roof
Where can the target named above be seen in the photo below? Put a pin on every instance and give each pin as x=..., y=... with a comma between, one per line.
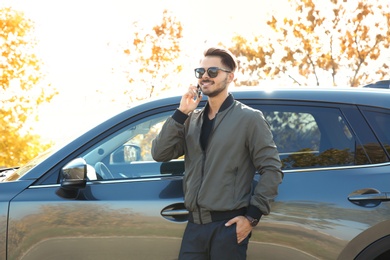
x=356, y=96
x=379, y=84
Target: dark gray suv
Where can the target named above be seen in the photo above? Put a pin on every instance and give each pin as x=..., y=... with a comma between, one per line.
x=103, y=197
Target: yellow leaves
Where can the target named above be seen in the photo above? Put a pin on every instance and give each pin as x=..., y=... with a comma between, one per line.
x=303, y=69
x=277, y=71
x=21, y=92
x=308, y=3
x=14, y=23
x=136, y=42
x=358, y=18
x=310, y=17
x=336, y=12
x=272, y=23
x=325, y=61
x=288, y=22
x=17, y=149
x=267, y=70
x=374, y=54
x=335, y=40
x=297, y=33
x=152, y=57
x=379, y=38
x=179, y=68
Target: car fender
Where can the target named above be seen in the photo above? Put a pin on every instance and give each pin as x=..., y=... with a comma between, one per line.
x=365, y=239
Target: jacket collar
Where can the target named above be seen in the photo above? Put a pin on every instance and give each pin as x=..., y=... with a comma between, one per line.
x=227, y=103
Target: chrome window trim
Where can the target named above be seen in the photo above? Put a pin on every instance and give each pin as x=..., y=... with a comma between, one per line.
x=44, y=186
x=338, y=167
x=57, y=185
x=181, y=176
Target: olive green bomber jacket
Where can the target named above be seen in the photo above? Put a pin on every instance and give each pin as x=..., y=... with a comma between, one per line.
x=220, y=178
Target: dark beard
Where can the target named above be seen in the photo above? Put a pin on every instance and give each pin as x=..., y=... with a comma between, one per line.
x=219, y=90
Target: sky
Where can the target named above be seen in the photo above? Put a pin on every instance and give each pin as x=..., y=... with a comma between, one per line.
x=76, y=39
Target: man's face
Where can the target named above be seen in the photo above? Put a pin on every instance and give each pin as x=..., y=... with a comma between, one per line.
x=213, y=86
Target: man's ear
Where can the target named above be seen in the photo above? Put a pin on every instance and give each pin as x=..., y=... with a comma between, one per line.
x=230, y=77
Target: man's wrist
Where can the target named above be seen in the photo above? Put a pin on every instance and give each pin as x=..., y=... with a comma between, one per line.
x=254, y=212
x=252, y=221
x=184, y=111
x=179, y=116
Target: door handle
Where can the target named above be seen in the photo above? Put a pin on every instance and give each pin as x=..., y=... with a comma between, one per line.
x=368, y=197
x=384, y=196
x=175, y=212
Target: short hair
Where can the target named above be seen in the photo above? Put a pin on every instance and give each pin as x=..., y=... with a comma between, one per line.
x=227, y=58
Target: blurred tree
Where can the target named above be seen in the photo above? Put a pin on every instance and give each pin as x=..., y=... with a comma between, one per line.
x=20, y=93
x=152, y=58
x=328, y=43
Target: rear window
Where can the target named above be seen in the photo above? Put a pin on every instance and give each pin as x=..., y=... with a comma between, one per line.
x=309, y=137
x=380, y=122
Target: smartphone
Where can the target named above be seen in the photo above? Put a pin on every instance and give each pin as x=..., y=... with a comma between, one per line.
x=199, y=91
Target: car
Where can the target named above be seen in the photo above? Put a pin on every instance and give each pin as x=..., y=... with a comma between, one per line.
x=102, y=196
x=379, y=84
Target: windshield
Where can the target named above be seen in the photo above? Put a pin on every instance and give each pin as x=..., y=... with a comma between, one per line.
x=16, y=173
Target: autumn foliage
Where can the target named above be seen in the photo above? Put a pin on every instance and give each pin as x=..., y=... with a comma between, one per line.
x=320, y=43
x=20, y=89
x=152, y=57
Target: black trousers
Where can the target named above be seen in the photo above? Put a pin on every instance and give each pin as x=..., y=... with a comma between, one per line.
x=212, y=241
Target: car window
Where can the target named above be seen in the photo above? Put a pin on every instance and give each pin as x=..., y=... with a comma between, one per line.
x=380, y=121
x=127, y=153
x=306, y=137
x=309, y=137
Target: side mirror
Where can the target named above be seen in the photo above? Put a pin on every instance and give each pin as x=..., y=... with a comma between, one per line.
x=74, y=175
x=126, y=154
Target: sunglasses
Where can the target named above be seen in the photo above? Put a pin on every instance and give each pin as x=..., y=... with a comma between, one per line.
x=212, y=72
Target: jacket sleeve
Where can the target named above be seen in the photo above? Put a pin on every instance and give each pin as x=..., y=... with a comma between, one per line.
x=170, y=142
x=267, y=162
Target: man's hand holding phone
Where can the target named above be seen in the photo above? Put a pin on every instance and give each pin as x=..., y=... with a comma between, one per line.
x=190, y=100
x=199, y=91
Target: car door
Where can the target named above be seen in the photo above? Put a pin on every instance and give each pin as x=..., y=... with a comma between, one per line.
x=129, y=208
x=329, y=156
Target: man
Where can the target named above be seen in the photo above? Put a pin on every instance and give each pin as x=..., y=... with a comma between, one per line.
x=224, y=144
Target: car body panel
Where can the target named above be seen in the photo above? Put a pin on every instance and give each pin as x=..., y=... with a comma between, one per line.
x=8, y=190
x=97, y=214
x=320, y=213
x=332, y=221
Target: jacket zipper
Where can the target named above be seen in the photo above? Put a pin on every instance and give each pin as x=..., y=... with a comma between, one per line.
x=201, y=182
x=202, y=174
